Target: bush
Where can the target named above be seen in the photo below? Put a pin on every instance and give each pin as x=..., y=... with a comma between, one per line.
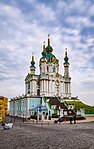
x=55, y=115
x=79, y=104
x=33, y=117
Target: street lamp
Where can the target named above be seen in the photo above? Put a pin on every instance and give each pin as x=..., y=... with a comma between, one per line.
x=59, y=114
x=23, y=116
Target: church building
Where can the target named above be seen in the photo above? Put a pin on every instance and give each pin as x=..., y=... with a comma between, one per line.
x=45, y=94
x=49, y=82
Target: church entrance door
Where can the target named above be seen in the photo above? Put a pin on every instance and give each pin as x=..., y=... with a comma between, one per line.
x=38, y=92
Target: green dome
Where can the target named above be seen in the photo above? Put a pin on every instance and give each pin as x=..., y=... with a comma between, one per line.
x=47, y=52
x=44, y=53
x=50, y=57
x=32, y=62
x=66, y=59
x=49, y=49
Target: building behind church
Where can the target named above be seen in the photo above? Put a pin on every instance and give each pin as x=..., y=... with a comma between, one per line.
x=46, y=93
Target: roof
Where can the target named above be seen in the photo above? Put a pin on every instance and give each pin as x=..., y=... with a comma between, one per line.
x=55, y=101
x=2, y=97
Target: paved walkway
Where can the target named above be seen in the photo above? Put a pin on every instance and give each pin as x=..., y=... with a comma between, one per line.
x=88, y=119
x=63, y=136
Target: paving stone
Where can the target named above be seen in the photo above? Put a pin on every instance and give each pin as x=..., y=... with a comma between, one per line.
x=35, y=136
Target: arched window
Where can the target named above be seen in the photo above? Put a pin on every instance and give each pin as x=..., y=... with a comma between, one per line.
x=38, y=92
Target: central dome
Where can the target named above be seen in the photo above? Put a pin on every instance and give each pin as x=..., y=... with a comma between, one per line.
x=49, y=49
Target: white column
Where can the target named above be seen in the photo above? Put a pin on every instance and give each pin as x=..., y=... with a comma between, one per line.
x=25, y=88
x=30, y=87
x=41, y=87
x=63, y=88
x=69, y=89
x=47, y=87
x=44, y=86
x=52, y=87
x=34, y=86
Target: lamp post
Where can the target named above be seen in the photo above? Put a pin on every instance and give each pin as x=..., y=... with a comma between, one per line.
x=59, y=114
x=23, y=116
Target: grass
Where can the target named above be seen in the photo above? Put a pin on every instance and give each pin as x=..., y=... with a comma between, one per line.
x=79, y=105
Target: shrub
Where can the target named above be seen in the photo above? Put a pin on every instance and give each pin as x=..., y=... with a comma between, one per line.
x=54, y=115
x=33, y=117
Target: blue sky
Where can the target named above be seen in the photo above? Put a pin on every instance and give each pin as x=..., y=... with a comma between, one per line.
x=25, y=24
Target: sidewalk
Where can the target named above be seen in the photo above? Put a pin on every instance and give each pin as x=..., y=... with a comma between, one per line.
x=88, y=119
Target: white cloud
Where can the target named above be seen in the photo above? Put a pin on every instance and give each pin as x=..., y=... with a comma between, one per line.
x=91, y=10
x=10, y=11
x=22, y=34
x=46, y=12
x=79, y=21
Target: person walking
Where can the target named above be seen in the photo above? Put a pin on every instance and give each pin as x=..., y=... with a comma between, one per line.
x=74, y=119
x=70, y=120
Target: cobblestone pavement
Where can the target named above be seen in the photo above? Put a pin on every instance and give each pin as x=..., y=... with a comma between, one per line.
x=37, y=136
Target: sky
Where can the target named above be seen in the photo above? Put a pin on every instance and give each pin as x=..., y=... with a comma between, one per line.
x=24, y=26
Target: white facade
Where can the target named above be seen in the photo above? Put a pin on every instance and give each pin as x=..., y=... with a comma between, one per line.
x=49, y=82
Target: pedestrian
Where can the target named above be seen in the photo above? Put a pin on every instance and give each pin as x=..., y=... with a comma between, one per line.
x=74, y=119
x=70, y=120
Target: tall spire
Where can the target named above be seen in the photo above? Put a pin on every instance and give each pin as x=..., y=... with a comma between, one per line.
x=66, y=57
x=32, y=61
x=49, y=49
x=48, y=39
x=32, y=67
x=66, y=52
x=44, y=45
x=32, y=56
x=44, y=51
